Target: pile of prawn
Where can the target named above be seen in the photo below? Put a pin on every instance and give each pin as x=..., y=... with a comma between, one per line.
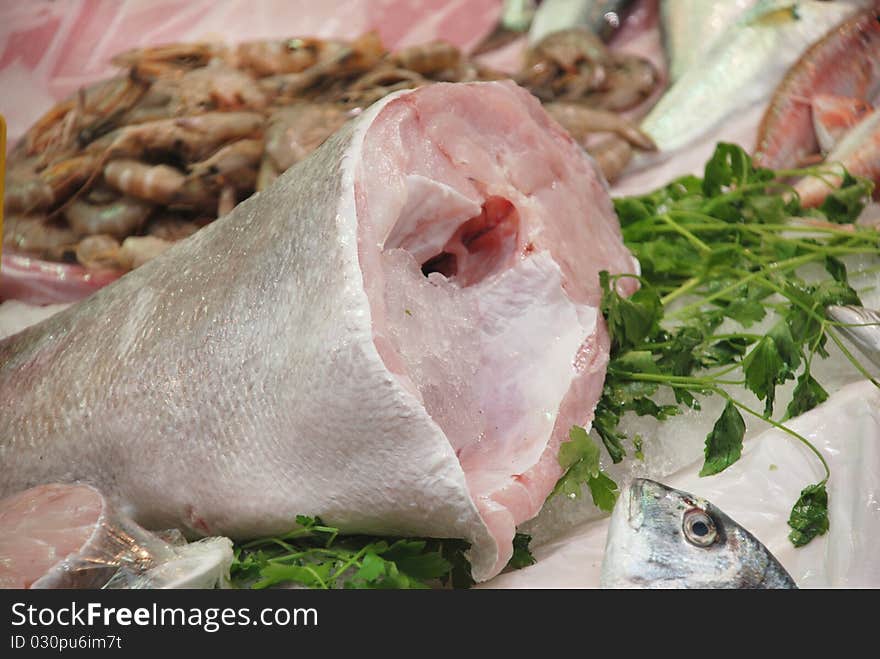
x=115, y=174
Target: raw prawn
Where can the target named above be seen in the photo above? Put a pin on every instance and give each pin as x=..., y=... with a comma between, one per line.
x=29, y=190
x=155, y=183
x=118, y=218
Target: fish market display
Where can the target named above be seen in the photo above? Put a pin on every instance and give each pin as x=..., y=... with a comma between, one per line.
x=70, y=536
x=843, y=65
x=376, y=322
x=396, y=335
x=116, y=174
x=659, y=537
x=750, y=58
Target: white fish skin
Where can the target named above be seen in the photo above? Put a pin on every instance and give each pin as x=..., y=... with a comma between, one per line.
x=747, y=63
x=683, y=20
x=262, y=369
x=660, y=537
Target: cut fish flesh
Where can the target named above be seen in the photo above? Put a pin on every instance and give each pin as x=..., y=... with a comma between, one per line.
x=69, y=536
x=44, y=530
x=396, y=336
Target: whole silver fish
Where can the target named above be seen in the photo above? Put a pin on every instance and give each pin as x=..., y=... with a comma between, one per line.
x=660, y=537
x=681, y=20
x=862, y=328
x=745, y=66
x=602, y=17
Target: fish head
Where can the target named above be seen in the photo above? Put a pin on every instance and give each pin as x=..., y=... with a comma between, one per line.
x=660, y=537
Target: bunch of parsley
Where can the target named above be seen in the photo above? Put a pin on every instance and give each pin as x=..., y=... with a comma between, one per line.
x=315, y=555
x=723, y=248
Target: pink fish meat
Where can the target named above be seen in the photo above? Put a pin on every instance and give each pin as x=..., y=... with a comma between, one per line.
x=70, y=536
x=396, y=336
x=65, y=536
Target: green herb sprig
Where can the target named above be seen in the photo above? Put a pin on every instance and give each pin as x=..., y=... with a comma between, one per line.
x=315, y=555
x=724, y=248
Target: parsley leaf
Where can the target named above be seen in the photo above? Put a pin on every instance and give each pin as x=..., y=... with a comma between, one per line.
x=729, y=165
x=807, y=394
x=762, y=367
x=522, y=556
x=809, y=517
x=632, y=319
x=724, y=443
x=580, y=459
x=310, y=576
x=746, y=312
x=605, y=423
x=844, y=204
x=771, y=362
x=414, y=558
x=372, y=567
x=837, y=269
x=604, y=491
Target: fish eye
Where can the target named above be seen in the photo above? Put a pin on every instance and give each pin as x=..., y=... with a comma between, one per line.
x=699, y=528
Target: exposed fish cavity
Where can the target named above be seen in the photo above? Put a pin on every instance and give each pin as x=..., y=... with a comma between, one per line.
x=472, y=256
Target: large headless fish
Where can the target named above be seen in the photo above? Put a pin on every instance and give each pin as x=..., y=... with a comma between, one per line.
x=396, y=336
